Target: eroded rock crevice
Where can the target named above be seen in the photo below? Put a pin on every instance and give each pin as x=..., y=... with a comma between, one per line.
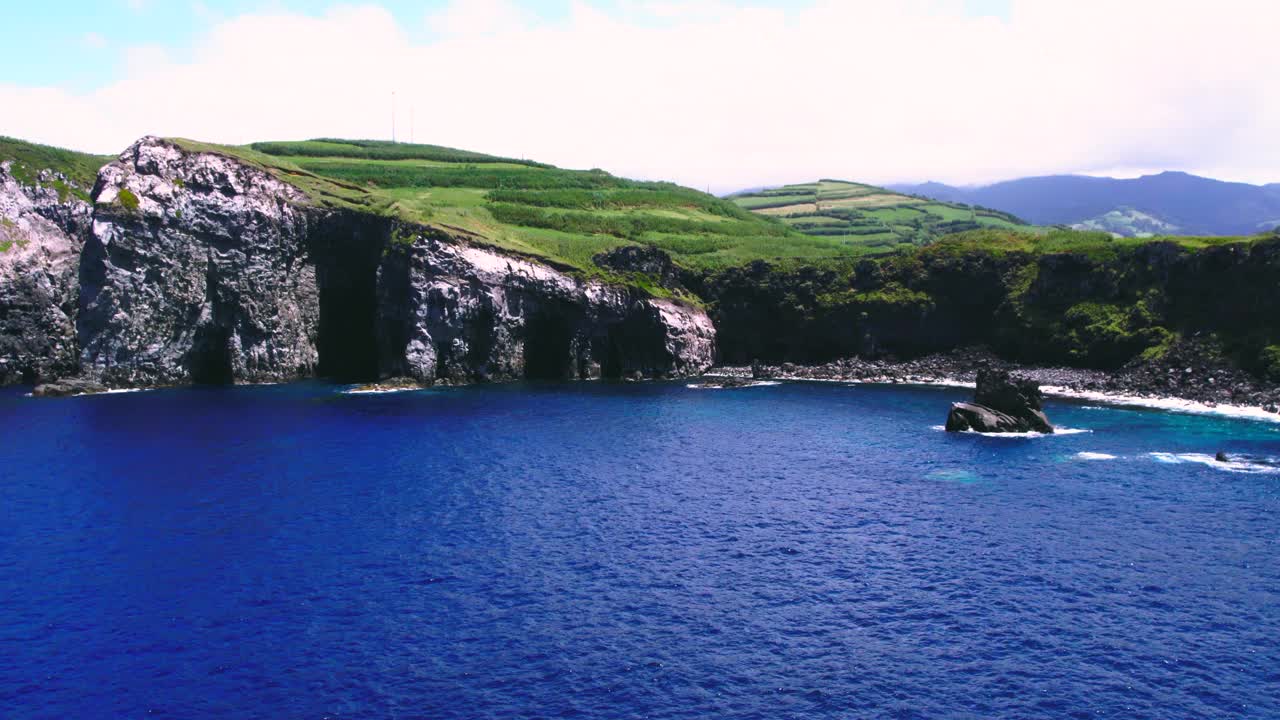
x=209, y=361
x=348, y=252
x=549, y=352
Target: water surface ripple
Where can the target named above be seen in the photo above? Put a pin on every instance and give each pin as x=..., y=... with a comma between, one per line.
x=597, y=550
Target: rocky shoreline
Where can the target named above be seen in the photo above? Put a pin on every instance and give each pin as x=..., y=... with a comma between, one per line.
x=1192, y=371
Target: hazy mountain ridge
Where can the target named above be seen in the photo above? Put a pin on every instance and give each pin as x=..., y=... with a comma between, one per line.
x=1192, y=204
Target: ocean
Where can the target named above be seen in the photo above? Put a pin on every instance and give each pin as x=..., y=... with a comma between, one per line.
x=608, y=550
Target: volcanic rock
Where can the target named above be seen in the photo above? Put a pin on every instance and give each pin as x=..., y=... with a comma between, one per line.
x=1002, y=404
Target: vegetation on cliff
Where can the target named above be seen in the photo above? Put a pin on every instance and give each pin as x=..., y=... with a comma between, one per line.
x=1065, y=297
x=30, y=159
x=563, y=216
x=796, y=273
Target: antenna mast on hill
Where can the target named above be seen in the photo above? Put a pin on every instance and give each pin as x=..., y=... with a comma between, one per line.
x=393, y=116
x=410, y=124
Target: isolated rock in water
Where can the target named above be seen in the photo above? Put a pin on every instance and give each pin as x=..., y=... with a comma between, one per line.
x=1014, y=396
x=1002, y=403
x=967, y=416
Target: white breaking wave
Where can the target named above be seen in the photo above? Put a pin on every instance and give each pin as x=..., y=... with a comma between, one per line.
x=1095, y=456
x=713, y=386
x=1246, y=412
x=1023, y=435
x=1168, y=404
x=924, y=382
x=1239, y=466
x=116, y=391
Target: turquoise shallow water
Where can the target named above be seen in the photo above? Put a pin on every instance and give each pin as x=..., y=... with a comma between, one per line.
x=598, y=550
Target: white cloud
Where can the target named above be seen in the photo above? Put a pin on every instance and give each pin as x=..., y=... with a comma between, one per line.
x=470, y=18
x=93, y=41
x=713, y=94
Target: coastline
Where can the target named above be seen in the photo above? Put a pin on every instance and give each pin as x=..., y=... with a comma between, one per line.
x=1198, y=391
x=1131, y=386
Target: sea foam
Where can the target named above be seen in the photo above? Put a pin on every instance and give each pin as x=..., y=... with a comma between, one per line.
x=714, y=386
x=1244, y=465
x=1058, y=432
x=1177, y=405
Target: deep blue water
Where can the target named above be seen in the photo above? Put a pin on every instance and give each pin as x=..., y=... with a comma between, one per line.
x=626, y=551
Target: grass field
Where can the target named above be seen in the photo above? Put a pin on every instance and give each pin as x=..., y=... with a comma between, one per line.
x=569, y=216
x=81, y=169
x=566, y=216
x=865, y=215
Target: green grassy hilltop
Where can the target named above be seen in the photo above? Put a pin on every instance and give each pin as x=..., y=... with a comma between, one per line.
x=566, y=216
x=803, y=272
x=81, y=169
x=867, y=217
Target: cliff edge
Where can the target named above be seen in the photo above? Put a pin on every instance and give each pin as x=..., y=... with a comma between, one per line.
x=203, y=268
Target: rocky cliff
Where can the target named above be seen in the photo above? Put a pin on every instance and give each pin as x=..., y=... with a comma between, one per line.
x=1097, y=309
x=202, y=268
x=199, y=266
x=43, y=224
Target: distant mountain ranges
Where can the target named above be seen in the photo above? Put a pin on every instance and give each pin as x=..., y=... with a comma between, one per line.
x=1171, y=203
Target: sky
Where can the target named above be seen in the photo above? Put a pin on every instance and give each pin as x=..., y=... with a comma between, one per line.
x=715, y=94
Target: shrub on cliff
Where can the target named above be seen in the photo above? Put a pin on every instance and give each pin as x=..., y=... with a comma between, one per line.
x=127, y=200
x=1107, y=335
x=1270, y=358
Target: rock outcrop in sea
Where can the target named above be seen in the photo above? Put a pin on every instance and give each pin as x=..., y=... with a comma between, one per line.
x=200, y=268
x=1002, y=404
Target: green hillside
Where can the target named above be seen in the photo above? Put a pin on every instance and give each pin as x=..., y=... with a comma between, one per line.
x=569, y=216
x=867, y=217
x=30, y=158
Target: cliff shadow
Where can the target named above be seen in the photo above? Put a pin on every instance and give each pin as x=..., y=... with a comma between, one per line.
x=548, y=346
x=209, y=360
x=630, y=346
x=347, y=252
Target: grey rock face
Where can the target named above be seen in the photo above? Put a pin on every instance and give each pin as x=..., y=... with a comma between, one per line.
x=1002, y=404
x=471, y=313
x=197, y=270
x=965, y=417
x=203, y=269
x=41, y=234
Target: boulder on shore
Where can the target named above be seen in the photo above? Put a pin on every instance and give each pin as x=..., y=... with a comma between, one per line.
x=68, y=387
x=1002, y=404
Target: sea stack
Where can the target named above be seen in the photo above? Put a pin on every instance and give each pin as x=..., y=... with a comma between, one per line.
x=1002, y=404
